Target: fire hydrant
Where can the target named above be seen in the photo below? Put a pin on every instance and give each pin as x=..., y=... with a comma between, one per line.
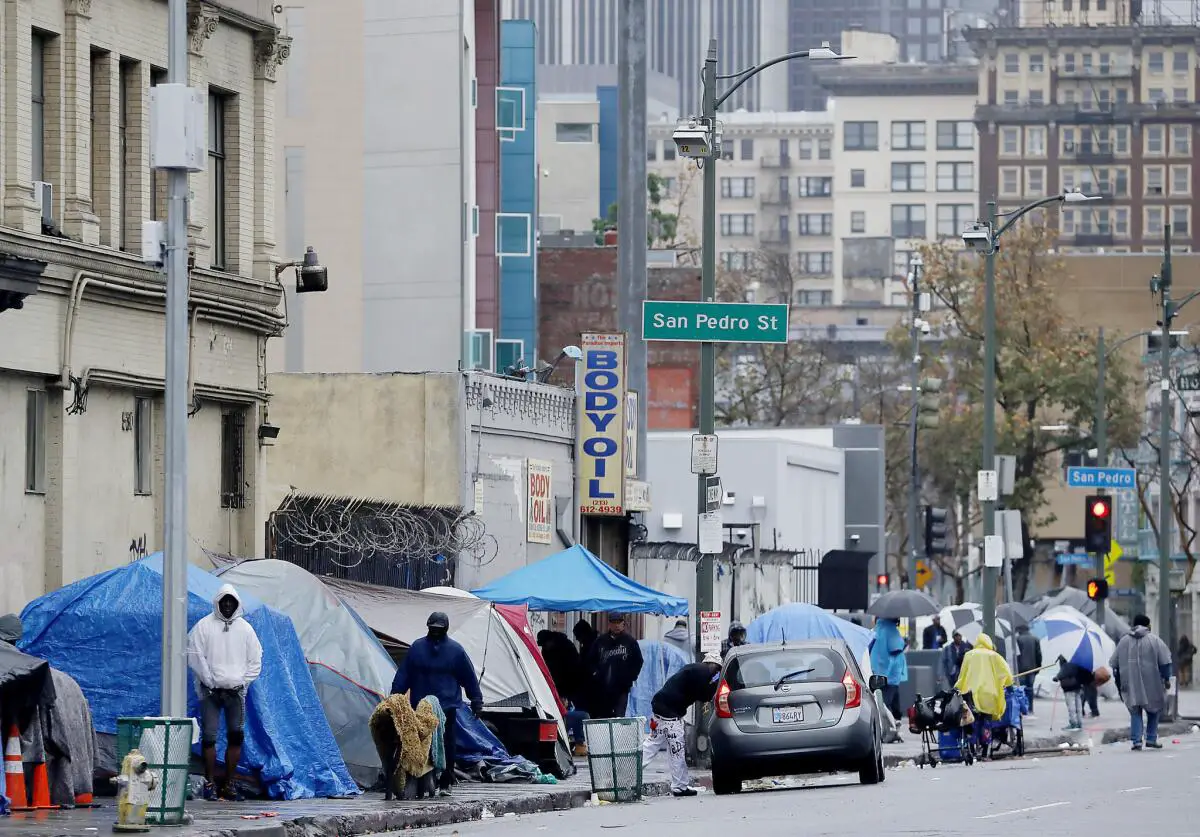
x=134, y=784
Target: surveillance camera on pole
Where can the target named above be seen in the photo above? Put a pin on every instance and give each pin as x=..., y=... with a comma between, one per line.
x=978, y=237
x=694, y=140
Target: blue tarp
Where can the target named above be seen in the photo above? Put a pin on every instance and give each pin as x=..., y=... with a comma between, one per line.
x=659, y=661
x=106, y=631
x=804, y=621
x=576, y=580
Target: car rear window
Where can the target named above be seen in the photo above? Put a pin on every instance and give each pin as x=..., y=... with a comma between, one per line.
x=806, y=665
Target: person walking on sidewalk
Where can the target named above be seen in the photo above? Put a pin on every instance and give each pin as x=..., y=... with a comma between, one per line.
x=887, y=659
x=952, y=657
x=933, y=638
x=616, y=662
x=437, y=665
x=1142, y=668
x=1187, y=653
x=694, y=683
x=226, y=657
x=1071, y=679
x=1029, y=660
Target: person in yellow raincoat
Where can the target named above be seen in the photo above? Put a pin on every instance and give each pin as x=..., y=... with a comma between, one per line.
x=984, y=675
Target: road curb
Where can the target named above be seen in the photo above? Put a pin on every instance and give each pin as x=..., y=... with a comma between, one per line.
x=404, y=816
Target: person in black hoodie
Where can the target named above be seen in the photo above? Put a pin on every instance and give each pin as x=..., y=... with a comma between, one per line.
x=694, y=683
x=615, y=661
x=1072, y=679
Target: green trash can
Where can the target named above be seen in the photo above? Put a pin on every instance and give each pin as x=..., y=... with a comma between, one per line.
x=615, y=757
x=166, y=744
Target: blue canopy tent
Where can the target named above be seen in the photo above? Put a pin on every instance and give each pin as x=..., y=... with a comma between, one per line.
x=576, y=580
x=799, y=621
x=106, y=631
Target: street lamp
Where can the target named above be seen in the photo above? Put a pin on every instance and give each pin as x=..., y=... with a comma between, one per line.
x=699, y=140
x=985, y=238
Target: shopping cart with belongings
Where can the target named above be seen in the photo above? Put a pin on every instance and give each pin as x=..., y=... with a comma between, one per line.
x=1008, y=730
x=944, y=724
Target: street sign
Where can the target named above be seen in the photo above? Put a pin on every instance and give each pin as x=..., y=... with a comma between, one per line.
x=1119, y=478
x=989, y=486
x=1074, y=559
x=714, y=322
x=712, y=494
x=924, y=574
x=1126, y=522
x=1124, y=592
x=1188, y=381
x=710, y=631
x=704, y=453
x=710, y=535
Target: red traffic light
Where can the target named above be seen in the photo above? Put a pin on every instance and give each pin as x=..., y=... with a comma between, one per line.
x=1100, y=509
x=882, y=579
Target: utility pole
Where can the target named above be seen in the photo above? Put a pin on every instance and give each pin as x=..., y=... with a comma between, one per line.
x=632, y=205
x=175, y=563
x=1169, y=310
x=989, y=414
x=914, y=485
x=1101, y=433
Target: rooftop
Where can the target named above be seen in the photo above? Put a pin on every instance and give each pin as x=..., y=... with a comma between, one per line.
x=1165, y=33
x=844, y=79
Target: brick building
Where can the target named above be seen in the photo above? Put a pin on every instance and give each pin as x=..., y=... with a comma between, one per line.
x=81, y=317
x=577, y=292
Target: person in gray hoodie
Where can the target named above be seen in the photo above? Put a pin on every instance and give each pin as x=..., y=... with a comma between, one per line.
x=679, y=637
x=1141, y=666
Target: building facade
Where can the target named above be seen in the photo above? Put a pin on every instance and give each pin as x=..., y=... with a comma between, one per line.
x=906, y=170
x=569, y=161
x=1109, y=110
x=389, y=153
x=81, y=341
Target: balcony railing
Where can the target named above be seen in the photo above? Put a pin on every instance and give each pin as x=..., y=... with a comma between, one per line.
x=774, y=237
x=777, y=199
x=776, y=162
x=1094, y=153
x=1091, y=238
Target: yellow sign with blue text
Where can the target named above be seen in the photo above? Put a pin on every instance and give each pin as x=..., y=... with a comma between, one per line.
x=600, y=454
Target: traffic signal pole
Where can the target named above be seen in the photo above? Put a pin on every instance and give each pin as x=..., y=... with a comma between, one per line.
x=1101, y=448
x=914, y=486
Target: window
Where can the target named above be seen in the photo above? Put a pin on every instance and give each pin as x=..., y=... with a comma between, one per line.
x=1181, y=140
x=1068, y=60
x=143, y=446
x=955, y=177
x=1180, y=62
x=129, y=82
x=514, y=234
x=816, y=264
x=1155, y=62
x=737, y=224
x=858, y=178
x=908, y=177
x=806, y=149
x=652, y=150
x=1035, y=141
x=217, y=104
x=1012, y=97
x=1156, y=95
x=1035, y=181
x=858, y=221
x=1012, y=63
x=233, y=460
x=754, y=671
x=1121, y=221
x=35, y=441
x=573, y=132
x=861, y=136
x=785, y=149
x=99, y=116
x=908, y=221
x=1010, y=181
x=814, y=223
x=668, y=151
x=1181, y=180
x=824, y=149
x=1180, y=216
x=1155, y=139
x=737, y=187
x=815, y=187
x=955, y=135
x=1180, y=95
x=953, y=218
x=813, y=299
x=1154, y=221
x=158, y=180
x=736, y=260
x=38, y=97
x=1154, y=181
x=1037, y=62
x=908, y=136
x=1010, y=142
x=747, y=149
x=1037, y=98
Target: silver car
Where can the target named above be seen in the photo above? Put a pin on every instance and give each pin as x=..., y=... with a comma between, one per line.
x=794, y=707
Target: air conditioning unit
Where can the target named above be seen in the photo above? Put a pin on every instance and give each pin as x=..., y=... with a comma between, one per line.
x=43, y=193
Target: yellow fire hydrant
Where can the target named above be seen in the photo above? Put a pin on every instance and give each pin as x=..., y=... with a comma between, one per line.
x=134, y=784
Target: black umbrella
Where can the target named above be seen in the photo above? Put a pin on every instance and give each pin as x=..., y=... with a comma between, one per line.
x=1017, y=613
x=903, y=604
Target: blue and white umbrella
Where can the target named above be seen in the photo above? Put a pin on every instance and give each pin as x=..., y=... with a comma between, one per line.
x=1067, y=633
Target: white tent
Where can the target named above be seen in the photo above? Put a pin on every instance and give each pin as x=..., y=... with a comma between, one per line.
x=509, y=675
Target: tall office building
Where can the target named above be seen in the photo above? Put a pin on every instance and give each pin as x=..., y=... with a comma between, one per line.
x=584, y=33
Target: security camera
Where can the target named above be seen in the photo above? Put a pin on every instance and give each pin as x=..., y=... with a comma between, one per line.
x=926, y=329
x=978, y=237
x=693, y=141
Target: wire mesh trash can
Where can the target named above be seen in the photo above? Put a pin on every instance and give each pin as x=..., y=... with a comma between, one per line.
x=166, y=744
x=615, y=757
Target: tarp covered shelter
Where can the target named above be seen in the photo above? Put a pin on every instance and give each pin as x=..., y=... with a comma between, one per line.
x=576, y=580
x=797, y=621
x=350, y=668
x=106, y=632
x=25, y=683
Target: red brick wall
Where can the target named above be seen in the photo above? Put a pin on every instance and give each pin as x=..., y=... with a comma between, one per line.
x=577, y=292
x=487, y=163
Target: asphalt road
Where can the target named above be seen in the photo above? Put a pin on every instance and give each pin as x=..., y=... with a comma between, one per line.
x=1112, y=791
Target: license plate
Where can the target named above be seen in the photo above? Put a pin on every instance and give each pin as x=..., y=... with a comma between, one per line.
x=787, y=715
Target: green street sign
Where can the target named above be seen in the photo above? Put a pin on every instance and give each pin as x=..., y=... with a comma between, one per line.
x=714, y=322
x=1188, y=381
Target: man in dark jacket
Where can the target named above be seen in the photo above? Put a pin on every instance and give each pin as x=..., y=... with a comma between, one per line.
x=616, y=662
x=694, y=683
x=952, y=657
x=933, y=637
x=437, y=665
x=737, y=636
x=1029, y=660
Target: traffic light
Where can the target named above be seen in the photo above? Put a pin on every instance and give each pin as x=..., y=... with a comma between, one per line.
x=1097, y=589
x=935, y=532
x=881, y=581
x=1097, y=524
x=929, y=404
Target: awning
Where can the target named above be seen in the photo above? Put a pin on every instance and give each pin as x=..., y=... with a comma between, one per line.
x=576, y=580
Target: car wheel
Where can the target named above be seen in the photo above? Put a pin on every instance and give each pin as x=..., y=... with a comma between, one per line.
x=724, y=784
x=871, y=772
x=879, y=768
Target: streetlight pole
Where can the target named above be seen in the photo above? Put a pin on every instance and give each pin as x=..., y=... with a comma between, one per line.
x=1169, y=309
x=1101, y=433
x=914, y=487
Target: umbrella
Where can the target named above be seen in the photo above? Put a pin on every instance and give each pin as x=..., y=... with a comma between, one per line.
x=967, y=619
x=1017, y=613
x=1067, y=633
x=903, y=604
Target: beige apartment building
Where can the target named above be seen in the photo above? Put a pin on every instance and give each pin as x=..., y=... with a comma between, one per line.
x=775, y=194
x=568, y=161
x=81, y=317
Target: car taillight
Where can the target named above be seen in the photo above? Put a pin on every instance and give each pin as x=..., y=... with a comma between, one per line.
x=723, y=710
x=853, y=691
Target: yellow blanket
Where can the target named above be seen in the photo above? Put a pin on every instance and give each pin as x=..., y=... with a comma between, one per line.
x=415, y=729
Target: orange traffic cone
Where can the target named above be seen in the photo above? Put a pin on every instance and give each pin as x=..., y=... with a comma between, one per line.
x=82, y=799
x=41, y=788
x=14, y=771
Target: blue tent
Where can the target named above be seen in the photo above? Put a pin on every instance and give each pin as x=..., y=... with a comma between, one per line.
x=106, y=631
x=575, y=579
x=805, y=621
